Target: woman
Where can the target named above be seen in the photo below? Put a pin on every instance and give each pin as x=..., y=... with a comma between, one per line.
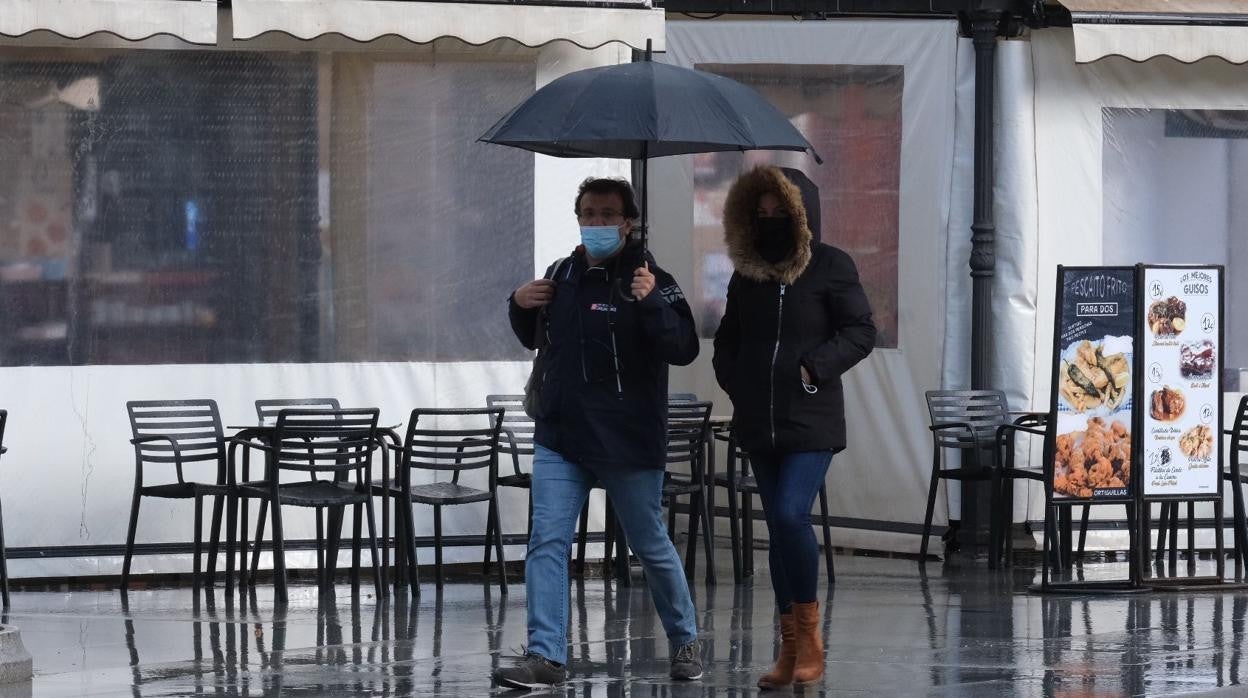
x=795, y=320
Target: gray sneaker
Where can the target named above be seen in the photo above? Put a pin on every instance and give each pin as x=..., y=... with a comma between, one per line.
x=534, y=671
x=687, y=662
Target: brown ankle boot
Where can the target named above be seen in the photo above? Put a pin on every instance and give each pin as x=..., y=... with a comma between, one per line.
x=809, y=636
x=782, y=673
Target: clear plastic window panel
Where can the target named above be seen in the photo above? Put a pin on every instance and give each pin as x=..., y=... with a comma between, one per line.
x=1176, y=192
x=219, y=207
x=852, y=116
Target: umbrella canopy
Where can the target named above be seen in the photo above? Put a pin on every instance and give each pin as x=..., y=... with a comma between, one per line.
x=645, y=110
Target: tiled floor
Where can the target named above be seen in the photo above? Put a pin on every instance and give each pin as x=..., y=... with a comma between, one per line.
x=957, y=630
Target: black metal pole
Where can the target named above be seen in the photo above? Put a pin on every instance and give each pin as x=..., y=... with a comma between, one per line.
x=985, y=27
x=976, y=499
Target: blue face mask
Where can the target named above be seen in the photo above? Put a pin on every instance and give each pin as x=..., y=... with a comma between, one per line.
x=601, y=241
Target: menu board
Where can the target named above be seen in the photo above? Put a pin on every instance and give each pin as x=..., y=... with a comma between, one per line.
x=1181, y=390
x=1092, y=375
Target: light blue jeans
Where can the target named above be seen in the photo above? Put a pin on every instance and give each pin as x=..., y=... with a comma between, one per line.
x=559, y=491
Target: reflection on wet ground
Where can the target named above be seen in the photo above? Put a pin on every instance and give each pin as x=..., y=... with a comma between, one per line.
x=958, y=630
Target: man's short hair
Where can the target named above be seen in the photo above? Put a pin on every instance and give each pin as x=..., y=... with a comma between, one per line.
x=609, y=185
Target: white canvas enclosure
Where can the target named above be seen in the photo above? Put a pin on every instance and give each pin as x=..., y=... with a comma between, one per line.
x=904, y=74
x=382, y=150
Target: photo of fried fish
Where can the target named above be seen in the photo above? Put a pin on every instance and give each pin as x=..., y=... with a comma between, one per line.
x=1092, y=379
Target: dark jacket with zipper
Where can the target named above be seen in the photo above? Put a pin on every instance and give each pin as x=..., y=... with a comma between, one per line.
x=808, y=310
x=591, y=412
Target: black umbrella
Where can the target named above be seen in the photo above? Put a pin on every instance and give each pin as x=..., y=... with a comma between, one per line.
x=645, y=110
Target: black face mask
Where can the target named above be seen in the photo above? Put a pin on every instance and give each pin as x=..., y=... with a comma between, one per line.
x=775, y=242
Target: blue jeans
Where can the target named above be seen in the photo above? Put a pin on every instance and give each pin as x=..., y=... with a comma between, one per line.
x=559, y=491
x=788, y=484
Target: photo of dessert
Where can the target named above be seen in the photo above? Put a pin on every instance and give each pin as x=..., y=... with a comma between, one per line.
x=1196, y=360
x=1167, y=318
x=1197, y=443
x=1167, y=404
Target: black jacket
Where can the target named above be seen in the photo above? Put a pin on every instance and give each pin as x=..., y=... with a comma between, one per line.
x=590, y=412
x=808, y=310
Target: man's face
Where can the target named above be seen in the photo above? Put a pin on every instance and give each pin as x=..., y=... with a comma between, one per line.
x=603, y=209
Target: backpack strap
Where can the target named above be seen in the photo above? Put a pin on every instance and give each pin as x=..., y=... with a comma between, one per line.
x=541, y=336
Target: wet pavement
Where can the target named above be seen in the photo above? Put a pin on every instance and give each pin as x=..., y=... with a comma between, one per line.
x=958, y=630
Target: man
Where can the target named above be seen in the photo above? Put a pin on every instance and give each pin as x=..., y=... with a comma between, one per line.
x=614, y=321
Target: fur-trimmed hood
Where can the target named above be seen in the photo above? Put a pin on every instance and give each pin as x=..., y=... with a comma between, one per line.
x=740, y=231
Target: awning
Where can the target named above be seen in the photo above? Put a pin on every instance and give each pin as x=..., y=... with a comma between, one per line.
x=1186, y=30
x=193, y=21
x=474, y=23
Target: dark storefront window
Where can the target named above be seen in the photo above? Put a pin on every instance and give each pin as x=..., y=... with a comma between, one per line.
x=213, y=207
x=852, y=115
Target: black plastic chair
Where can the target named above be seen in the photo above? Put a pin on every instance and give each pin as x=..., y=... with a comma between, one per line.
x=335, y=443
x=181, y=433
x=4, y=562
x=267, y=412
x=1233, y=474
x=615, y=546
x=431, y=447
x=688, y=428
x=1035, y=424
x=741, y=488
x=966, y=421
x=515, y=440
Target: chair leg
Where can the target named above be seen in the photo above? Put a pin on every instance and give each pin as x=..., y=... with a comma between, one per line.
x=4, y=566
x=437, y=545
x=734, y=530
x=379, y=573
x=931, y=506
x=1174, y=536
x=827, y=534
x=671, y=521
x=199, y=525
x=489, y=544
x=708, y=539
x=279, y=555
x=214, y=540
x=231, y=538
x=409, y=540
x=994, y=517
x=583, y=527
x=1191, y=538
x=320, y=543
x=358, y=524
x=691, y=545
x=747, y=540
x=134, y=522
x=1083, y=528
x=498, y=545
x=261, y=517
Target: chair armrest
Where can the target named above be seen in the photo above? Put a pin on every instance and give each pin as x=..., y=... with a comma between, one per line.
x=249, y=443
x=177, y=450
x=965, y=426
x=1001, y=430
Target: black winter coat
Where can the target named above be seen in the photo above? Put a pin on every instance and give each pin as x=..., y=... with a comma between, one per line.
x=807, y=311
x=589, y=412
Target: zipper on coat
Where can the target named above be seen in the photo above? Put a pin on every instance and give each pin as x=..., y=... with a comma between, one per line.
x=774, y=355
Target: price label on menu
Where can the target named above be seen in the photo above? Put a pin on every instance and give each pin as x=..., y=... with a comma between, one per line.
x=1182, y=392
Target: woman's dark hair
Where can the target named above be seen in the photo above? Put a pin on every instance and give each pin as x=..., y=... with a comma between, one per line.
x=605, y=185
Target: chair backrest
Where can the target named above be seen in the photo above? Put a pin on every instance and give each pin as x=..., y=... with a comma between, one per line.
x=194, y=425
x=983, y=410
x=325, y=441
x=688, y=424
x=518, y=427
x=266, y=410
x=431, y=447
x=1239, y=430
